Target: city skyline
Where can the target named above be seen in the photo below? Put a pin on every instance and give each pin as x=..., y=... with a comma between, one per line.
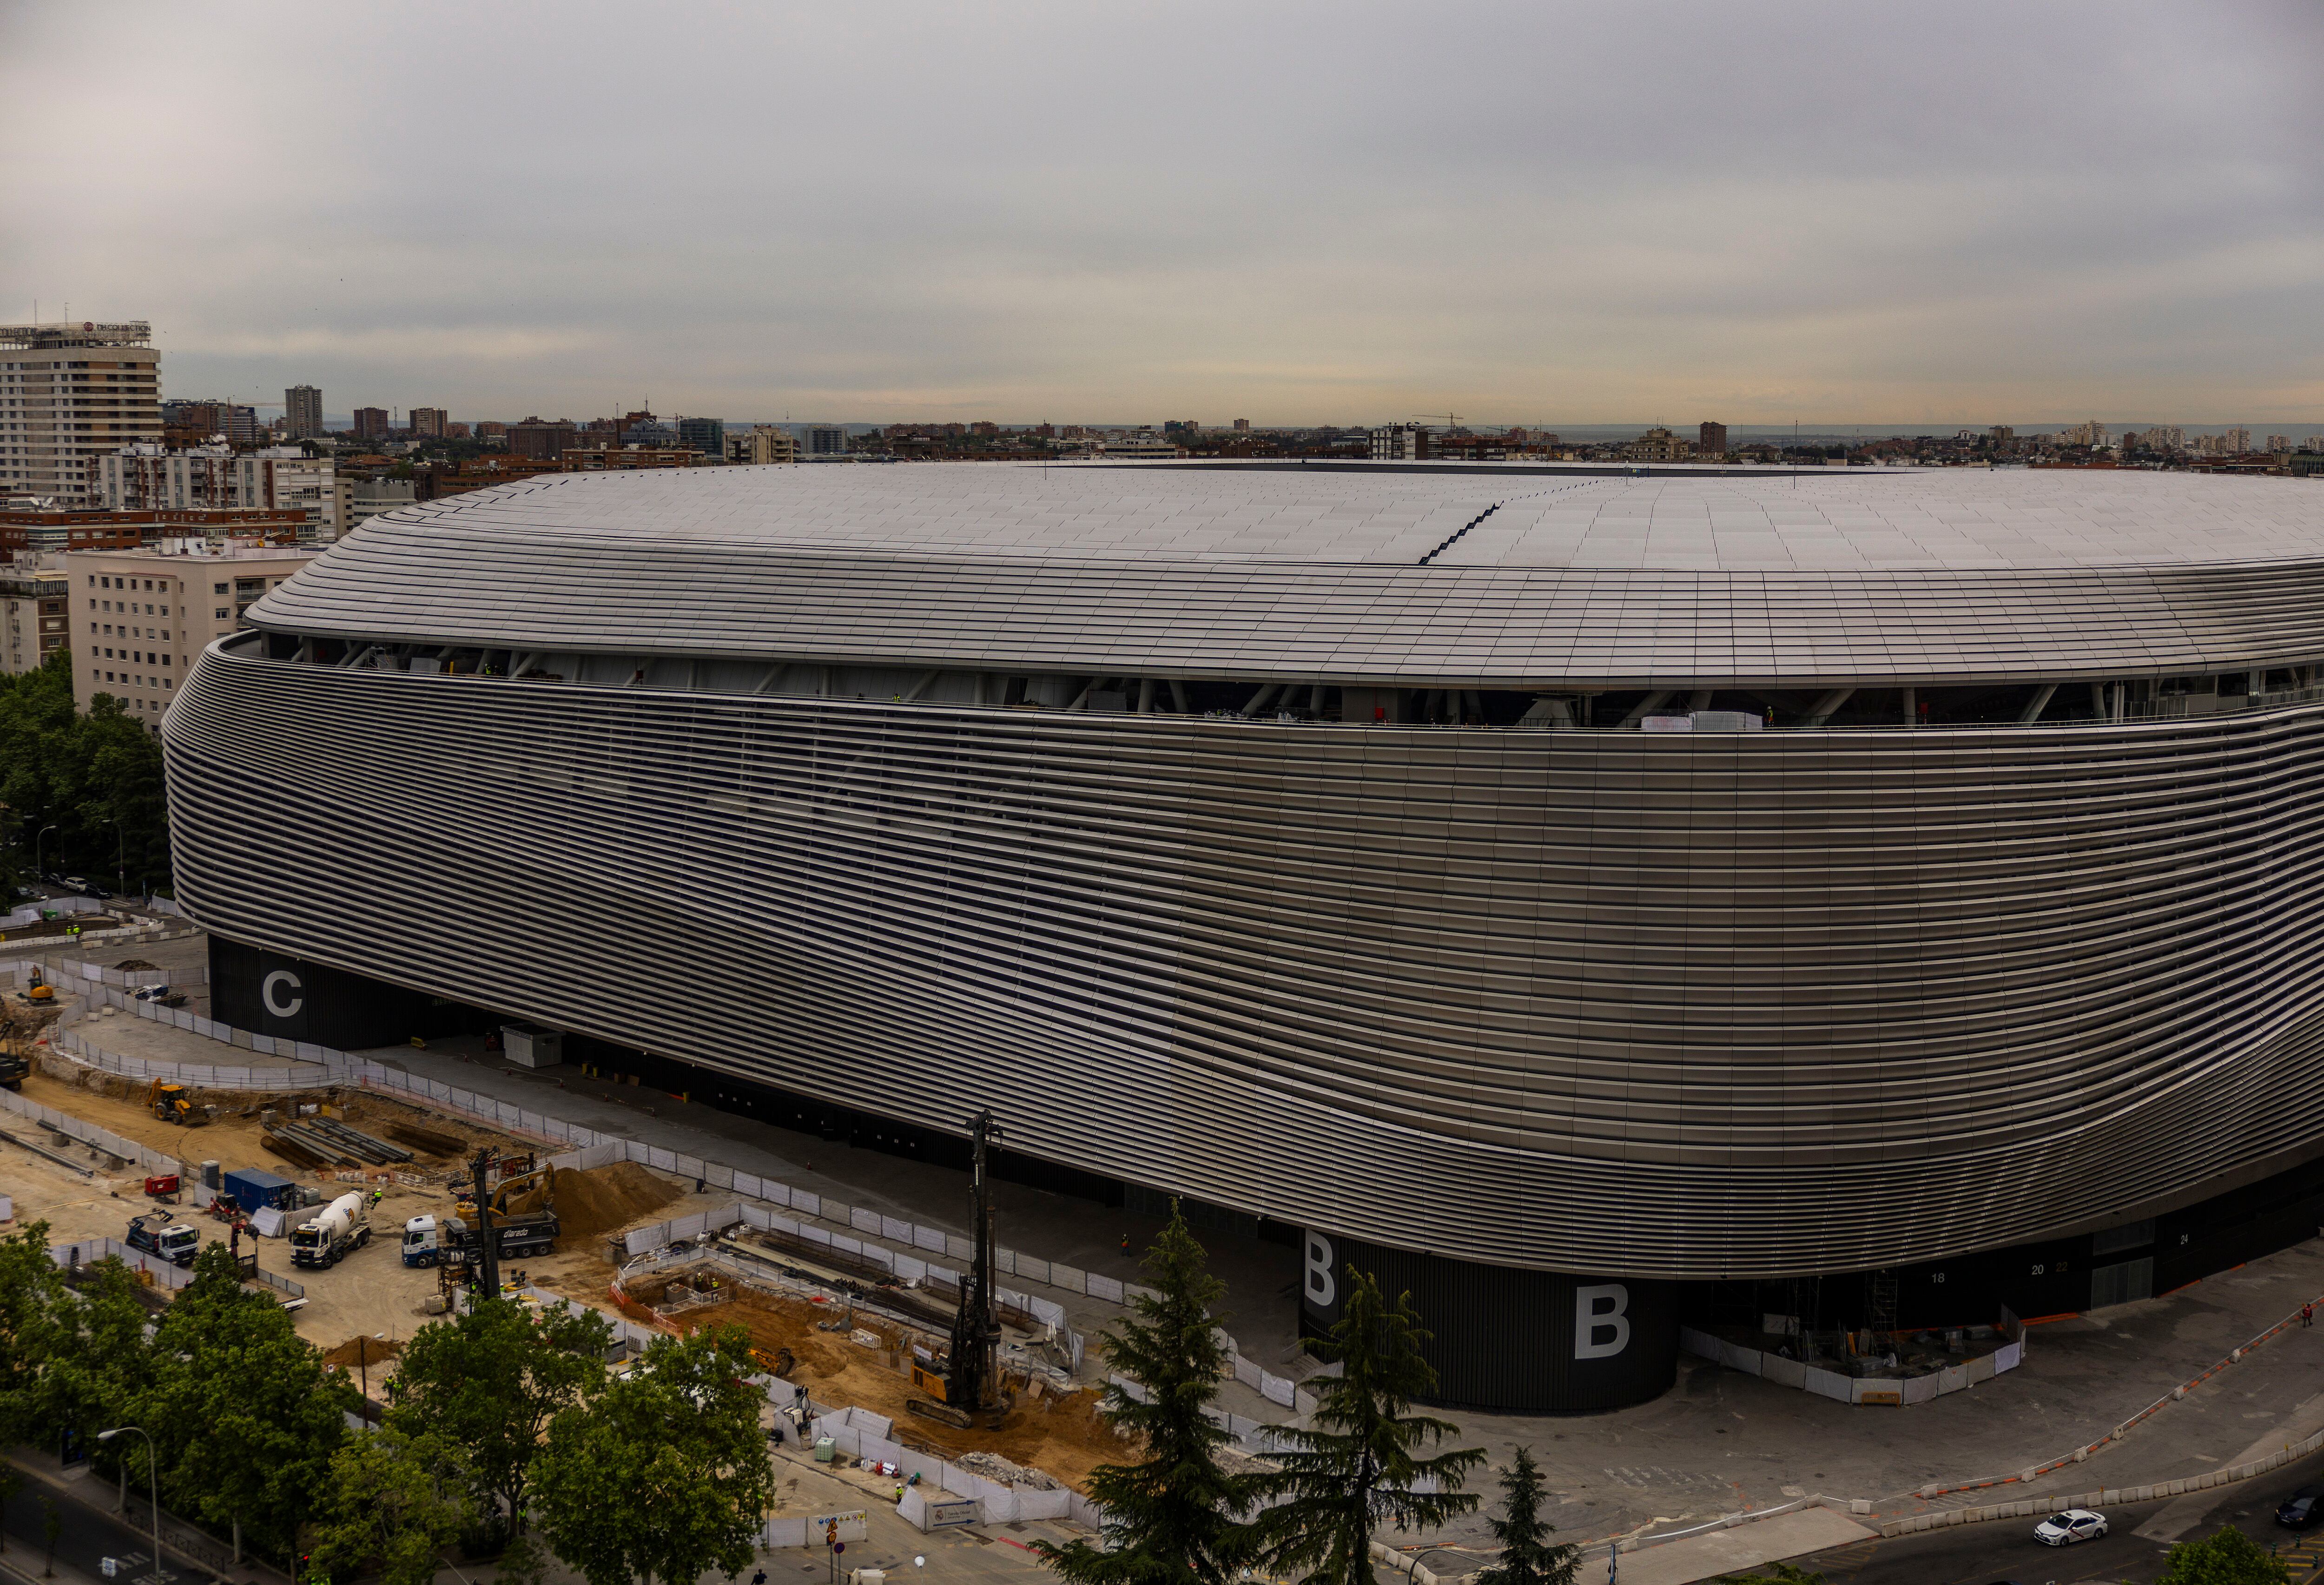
x=1807, y=212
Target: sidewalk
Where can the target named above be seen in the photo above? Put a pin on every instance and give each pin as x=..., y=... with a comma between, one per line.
x=92, y=1529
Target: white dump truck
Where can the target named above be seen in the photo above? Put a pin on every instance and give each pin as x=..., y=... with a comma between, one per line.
x=343, y=1225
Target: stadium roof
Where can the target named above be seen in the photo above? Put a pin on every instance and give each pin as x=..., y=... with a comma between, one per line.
x=1500, y=579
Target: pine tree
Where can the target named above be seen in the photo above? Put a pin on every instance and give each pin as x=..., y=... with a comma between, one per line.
x=1527, y=1555
x=1354, y=1467
x=1171, y=1517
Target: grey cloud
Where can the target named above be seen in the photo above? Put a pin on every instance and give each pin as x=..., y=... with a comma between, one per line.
x=1288, y=213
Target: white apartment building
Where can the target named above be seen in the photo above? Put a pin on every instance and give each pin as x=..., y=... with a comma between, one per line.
x=139, y=617
x=762, y=443
x=33, y=621
x=68, y=394
x=283, y=478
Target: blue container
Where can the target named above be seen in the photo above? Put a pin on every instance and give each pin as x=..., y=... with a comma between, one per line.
x=253, y=1188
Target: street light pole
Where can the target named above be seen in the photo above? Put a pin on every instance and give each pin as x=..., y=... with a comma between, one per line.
x=36, y=851
x=153, y=1478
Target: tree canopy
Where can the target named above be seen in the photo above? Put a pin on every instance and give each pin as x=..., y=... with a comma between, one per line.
x=492, y=1379
x=665, y=1474
x=1528, y=1557
x=2228, y=1557
x=97, y=778
x=1173, y=1517
x=244, y=1413
x=395, y=1502
x=1355, y=1466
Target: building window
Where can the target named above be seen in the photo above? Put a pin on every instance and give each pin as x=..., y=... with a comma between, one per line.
x=218, y=588
x=223, y=612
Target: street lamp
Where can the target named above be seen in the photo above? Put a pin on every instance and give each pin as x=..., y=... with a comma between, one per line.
x=36, y=852
x=153, y=1477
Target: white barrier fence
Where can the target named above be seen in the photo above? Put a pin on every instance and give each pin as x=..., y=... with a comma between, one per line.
x=1847, y=1389
x=88, y=1251
x=321, y=1066
x=87, y=1133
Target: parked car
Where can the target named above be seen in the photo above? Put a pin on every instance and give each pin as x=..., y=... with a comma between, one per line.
x=73, y=883
x=97, y=892
x=2303, y=1508
x=2065, y=1528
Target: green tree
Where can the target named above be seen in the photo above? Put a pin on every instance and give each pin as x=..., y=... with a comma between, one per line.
x=394, y=1503
x=1354, y=1468
x=1171, y=1517
x=2229, y=1557
x=244, y=1413
x=1528, y=1557
x=491, y=1380
x=29, y=1284
x=96, y=1360
x=95, y=778
x=665, y=1474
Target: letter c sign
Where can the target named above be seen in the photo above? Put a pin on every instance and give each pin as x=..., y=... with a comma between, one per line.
x=1601, y=1321
x=282, y=980
x=1323, y=1287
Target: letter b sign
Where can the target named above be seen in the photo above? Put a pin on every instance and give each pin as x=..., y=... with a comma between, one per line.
x=1601, y=1321
x=1323, y=1284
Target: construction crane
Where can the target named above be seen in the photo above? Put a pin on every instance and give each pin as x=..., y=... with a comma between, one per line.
x=968, y=1377
x=1452, y=420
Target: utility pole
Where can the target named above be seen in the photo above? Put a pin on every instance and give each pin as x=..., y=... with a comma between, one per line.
x=975, y=1373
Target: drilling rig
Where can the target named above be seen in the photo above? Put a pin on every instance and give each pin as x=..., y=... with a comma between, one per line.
x=968, y=1377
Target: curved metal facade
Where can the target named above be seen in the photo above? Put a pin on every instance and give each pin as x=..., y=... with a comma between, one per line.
x=1898, y=578
x=1683, y=1006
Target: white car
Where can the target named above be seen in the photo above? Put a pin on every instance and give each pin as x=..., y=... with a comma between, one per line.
x=2066, y=1528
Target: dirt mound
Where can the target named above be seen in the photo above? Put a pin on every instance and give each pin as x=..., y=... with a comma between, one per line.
x=359, y=1351
x=135, y=965
x=1061, y=1435
x=603, y=1198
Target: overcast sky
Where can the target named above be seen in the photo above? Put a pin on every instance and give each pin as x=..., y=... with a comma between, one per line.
x=1532, y=213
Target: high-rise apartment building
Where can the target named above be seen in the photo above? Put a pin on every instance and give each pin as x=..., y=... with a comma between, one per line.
x=826, y=440
x=706, y=436
x=34, y=623
x=428, y=422
x=1401, y=443
x=2237, y=440
x=371, y=423
x=148, y=478
x=546, y=439
x=2279, y=443
x=1712, y=439
x=140, y=617
x=302, y=411
x=763, y=443
x=68, y=394
x=1656, y=445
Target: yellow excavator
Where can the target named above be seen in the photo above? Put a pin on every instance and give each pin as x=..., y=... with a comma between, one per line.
x=174, y=1103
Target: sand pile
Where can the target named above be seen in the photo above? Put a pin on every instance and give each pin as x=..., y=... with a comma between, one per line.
x=357, y=1351
x=604, y=1198
x=1061, y=1435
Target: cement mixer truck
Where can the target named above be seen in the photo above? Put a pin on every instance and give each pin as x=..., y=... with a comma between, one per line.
x=344, y=1224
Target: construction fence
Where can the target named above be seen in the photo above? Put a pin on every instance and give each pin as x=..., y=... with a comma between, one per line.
x=1894, y=1391
x=88, y=1251
x=321, y=1066
x=87, y=1133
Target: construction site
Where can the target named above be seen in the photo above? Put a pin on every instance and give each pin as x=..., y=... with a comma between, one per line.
x=361, y=1209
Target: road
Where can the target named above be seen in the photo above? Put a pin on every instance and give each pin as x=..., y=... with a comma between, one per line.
x=88, y=1538
x=2005, y=1550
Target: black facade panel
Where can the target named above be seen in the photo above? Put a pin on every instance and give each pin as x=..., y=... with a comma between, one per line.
x=292, y=998
x=1532, y=1342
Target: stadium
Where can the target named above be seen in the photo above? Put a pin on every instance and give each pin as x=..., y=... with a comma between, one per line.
x=1585, y=901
